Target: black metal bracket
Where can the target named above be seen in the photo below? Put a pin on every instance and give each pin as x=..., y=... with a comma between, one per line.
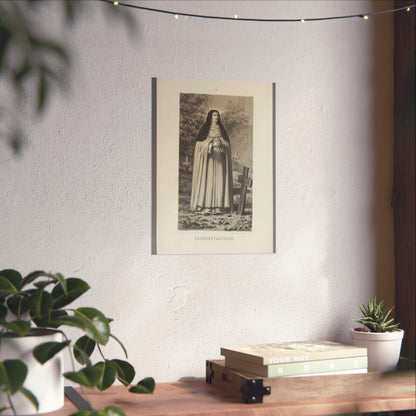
x=253, y=391
x=77, y=399
x=209, y=372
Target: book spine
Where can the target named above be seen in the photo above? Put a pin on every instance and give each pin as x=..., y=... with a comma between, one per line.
x=268, y=359
x=313, y=367
x=288, y=369
x=333, y=373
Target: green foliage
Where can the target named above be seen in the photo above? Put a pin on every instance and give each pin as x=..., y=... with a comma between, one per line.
x=146, y=386
x=44, y=352
x=39, y=301
x=39, y=62
x=125, y=371
x=12, y=375
x=375, y=318
x=83, y=349
x=105, y=411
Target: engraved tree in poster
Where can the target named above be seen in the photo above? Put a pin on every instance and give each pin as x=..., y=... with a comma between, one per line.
x=236, y=117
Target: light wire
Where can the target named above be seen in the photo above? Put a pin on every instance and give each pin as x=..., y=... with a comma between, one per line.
x=250, y=19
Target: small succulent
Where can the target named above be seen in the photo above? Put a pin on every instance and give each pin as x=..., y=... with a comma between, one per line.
x=375, y=318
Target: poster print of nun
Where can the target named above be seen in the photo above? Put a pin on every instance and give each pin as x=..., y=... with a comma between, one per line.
x=212, y=182
x=213, y=167
x=216, y=142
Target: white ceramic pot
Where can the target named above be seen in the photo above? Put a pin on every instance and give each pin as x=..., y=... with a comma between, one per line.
x=383, y=348
x=44, y=381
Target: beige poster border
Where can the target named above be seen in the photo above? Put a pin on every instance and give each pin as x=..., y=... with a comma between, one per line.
x=167, y=238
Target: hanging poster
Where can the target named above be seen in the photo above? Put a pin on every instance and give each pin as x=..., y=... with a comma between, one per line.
x=213, y=167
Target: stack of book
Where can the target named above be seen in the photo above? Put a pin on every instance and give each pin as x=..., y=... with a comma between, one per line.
x=296, y=359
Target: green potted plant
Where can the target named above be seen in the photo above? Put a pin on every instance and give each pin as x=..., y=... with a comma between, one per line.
x=381, y=335
x=34, y=311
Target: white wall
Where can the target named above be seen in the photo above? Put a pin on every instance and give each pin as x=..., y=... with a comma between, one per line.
x=78, y=200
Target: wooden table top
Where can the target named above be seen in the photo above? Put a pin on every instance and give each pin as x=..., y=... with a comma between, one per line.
x=198, y=398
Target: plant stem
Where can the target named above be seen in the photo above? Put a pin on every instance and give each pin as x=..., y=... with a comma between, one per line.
x=19, y=310
x=73, y=369
x=101, y=353
x=11, y=404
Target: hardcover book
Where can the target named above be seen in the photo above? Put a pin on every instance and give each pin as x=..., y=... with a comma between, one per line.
x=299, y=368
x=292, y=352
x=331, y=373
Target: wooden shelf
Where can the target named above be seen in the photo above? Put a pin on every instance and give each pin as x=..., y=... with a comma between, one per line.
x=308, y=396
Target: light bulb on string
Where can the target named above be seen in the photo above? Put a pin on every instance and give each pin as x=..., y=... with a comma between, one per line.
x=249, y=19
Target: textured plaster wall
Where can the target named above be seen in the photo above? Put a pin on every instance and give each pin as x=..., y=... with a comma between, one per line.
x=78, y=200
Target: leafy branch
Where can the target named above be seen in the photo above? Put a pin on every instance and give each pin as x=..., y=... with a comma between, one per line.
x=39, y=301
x=31, y=60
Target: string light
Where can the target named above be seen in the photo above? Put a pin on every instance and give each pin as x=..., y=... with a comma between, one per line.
x=249, y=19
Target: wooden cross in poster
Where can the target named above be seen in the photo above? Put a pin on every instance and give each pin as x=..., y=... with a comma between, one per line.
x=186, y=164
x=246, y=182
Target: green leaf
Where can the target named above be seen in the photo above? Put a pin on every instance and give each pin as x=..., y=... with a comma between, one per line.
x=75, y=321
x=125, y=371
x=43, y=284
x=54, y=277
x=6, y=287
x=30, y=396
x=83, y=349
x=88, y=377
x=110, y=411
x=108, y=374
x=55, y=316
x=105, y=411
x=98, y=328
x=145, y=386
x=18, y=327
x=91, y=321
x=13, y=276
x=3, y=312
x=374, y=317
x=45, y=351
x=62, y=281
x=388, y=313
x=31, y=277
x=75, y=288
x=40, y=304
x=12, y=375
x=83, y=413
x=18, y=305
x=82, y=357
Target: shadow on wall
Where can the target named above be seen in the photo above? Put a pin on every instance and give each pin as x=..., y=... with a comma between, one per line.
x=382, y=142
x=363, y=248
